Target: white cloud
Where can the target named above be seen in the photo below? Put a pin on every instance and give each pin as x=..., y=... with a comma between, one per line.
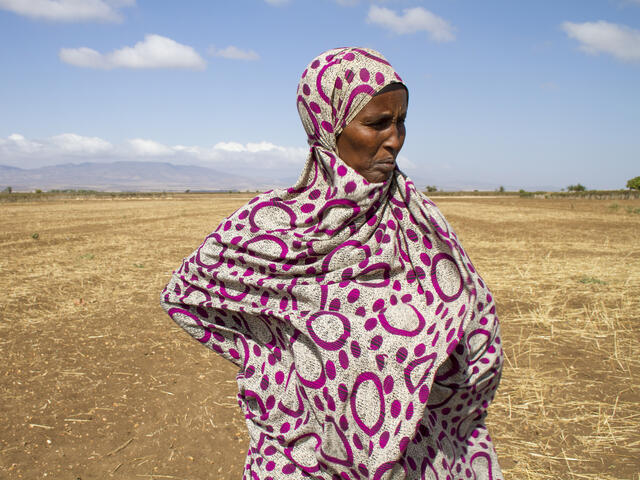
x=260, y=158
x=233, y=53
x=411, y=21
x=603, y=37
x=68, y=10
x=16, y=143
x=154, y=51
x=148, y=148
x=249, y=147
x=77, y=144
x=229, y=146
x=83, y=57
x=277, y=3
x=263, y=147
x=17, y=147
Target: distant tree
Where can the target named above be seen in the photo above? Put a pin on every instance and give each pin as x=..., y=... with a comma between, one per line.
x=432, y=188
x=576, y=188
x=38, y=190
x=501, y=189
x=7, y=190
x=634, y=183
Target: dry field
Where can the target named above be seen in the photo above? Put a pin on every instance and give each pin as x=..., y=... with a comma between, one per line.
x=96, y=382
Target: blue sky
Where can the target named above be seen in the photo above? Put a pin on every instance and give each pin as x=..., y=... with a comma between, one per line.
x=520, y=94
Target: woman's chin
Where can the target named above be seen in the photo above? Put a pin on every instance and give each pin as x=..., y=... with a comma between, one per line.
x=379, y=175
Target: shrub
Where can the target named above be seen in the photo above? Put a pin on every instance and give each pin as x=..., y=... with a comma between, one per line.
x=431, y=188
x=634, y=183
x=576, y=188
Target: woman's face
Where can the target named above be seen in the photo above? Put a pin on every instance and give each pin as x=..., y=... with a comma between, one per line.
x=371, y=142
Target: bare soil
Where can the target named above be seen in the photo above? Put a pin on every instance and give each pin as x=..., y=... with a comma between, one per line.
x=97, y=382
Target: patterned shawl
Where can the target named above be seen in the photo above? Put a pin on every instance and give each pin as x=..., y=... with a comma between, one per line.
x=366, y=342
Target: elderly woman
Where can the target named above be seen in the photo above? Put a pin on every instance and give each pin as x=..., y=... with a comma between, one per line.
x=367, y=345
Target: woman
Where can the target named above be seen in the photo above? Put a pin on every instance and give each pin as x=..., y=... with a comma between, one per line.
x=366, y=342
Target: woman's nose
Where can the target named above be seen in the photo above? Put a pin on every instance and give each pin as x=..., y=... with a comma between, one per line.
x=395, y=138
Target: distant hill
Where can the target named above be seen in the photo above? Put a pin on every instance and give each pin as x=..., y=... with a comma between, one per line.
x=162, y=176
x=128, y=176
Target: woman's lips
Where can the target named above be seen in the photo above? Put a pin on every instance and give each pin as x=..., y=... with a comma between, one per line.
x=387, y=164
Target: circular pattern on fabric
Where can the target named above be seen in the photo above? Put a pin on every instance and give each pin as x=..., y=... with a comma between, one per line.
x=367, y=403
x=416, y=373
x=267, y=246
x=349, y=251
x=445, y=277
x=310, y=370
x=403, y=315
x=298, y=450
x=267, y=214
x=324, y=325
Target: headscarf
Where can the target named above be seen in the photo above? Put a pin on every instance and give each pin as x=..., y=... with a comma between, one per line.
x=366, y=342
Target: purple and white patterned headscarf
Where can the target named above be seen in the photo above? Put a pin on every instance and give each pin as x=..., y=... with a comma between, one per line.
x=367, y=344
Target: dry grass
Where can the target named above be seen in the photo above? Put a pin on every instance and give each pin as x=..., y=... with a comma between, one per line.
x=97, y=383
x=566, y=275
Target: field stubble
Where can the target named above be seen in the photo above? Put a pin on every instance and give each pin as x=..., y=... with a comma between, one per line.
x=97, y=382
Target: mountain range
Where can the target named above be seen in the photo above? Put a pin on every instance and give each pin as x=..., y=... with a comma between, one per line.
x=130, y=176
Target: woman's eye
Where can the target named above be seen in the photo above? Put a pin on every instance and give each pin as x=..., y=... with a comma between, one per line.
x=381, y=123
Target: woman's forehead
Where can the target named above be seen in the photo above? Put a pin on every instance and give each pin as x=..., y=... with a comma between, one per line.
x=385, y=103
